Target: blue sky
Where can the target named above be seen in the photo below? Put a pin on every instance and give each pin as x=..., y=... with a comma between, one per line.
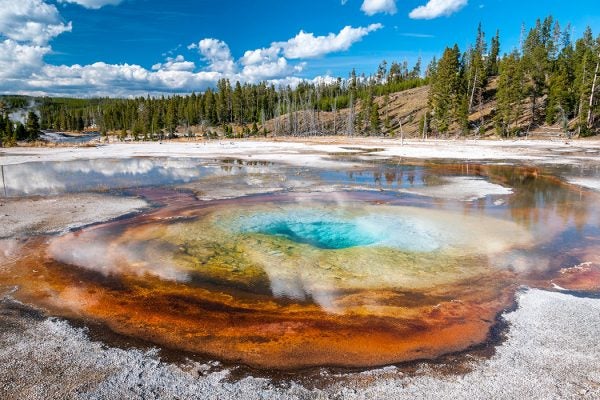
x=130, y=47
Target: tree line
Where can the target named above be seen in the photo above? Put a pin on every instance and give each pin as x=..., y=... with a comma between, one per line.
x=242, y=105
x=549, y=79
x=245, y=105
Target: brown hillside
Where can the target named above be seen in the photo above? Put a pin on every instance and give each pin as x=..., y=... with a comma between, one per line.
x=405, y=110
x=407, y=107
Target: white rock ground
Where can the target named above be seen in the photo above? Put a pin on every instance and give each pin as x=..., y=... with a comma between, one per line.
x=551, y=352
x=32, y=216
x=462, y=188
x=588, y=183
x=314, y=152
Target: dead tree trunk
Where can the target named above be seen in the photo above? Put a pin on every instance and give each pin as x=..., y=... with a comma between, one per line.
x=590, y=113
x=3, y=182
x=401, y=133
x=581, y=100
x=473, y=91
x=335, y=115
x=350, y=127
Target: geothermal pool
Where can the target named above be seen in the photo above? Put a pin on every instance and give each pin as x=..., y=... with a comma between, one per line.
x=273, y=266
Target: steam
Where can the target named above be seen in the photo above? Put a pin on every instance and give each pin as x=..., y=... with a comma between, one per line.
x=9, y=250
x=96, y=253
x=300, y=284
x=522, y=262
x=20, y=115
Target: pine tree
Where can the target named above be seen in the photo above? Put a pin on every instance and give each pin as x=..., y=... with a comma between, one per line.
x=476, y=71
x=585, y=60
x=10, y=135
x=21, y=132
x=394, y=75
x=536, y=51
x=171, y=118
x=492, y=61
x=510, y=93
x=561, y=94
x=32, y=126
x=416, y=71
x=374, y=121
x=387, y=123
x=447, y=95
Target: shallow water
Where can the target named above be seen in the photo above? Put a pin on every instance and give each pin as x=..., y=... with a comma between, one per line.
x=285, y=267
x=65, y=137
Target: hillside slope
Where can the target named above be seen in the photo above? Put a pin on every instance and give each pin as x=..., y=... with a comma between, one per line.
x=405, y=112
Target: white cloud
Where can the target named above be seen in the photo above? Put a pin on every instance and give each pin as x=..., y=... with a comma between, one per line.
x=216, y=53
x=272, y=63
x=175, y=64
x=93, y=4
x=266, y=70
x=19, y=61
x=307, y=45
x=372, y=7
x=259, y=56
x=293, y=81
x=437, y=8
x=115, y=80
x=417, y=35
x=30, y=21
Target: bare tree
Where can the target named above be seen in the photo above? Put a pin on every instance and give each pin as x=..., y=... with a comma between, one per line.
x=590, y=117
x=401, y=132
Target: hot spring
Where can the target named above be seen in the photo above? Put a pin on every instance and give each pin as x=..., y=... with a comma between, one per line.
x=281, y=267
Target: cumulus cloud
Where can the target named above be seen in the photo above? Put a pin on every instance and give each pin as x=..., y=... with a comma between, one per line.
x=117, y=79
x=265, y=70
x=30, y=21
x=93, y=4
x=307, y=45
x=19, y=61
x=175, y=64
x=260, y=56
x=437, y=8
x=272, y=63
x=372, y=7
x=217, y=54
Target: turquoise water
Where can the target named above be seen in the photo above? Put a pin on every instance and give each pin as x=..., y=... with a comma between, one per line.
x=328, y=234
x=330, y=229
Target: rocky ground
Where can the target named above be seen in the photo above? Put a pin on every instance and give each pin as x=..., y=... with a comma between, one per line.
x=53, y=214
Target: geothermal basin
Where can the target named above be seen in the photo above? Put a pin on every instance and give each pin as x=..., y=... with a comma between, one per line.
x=355, y=262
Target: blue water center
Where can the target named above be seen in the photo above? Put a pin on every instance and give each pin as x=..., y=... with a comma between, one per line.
x=333, y=230
x=322, y=234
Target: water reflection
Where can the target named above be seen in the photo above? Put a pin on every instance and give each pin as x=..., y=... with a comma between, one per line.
x=42, y=178
x=382, y=176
